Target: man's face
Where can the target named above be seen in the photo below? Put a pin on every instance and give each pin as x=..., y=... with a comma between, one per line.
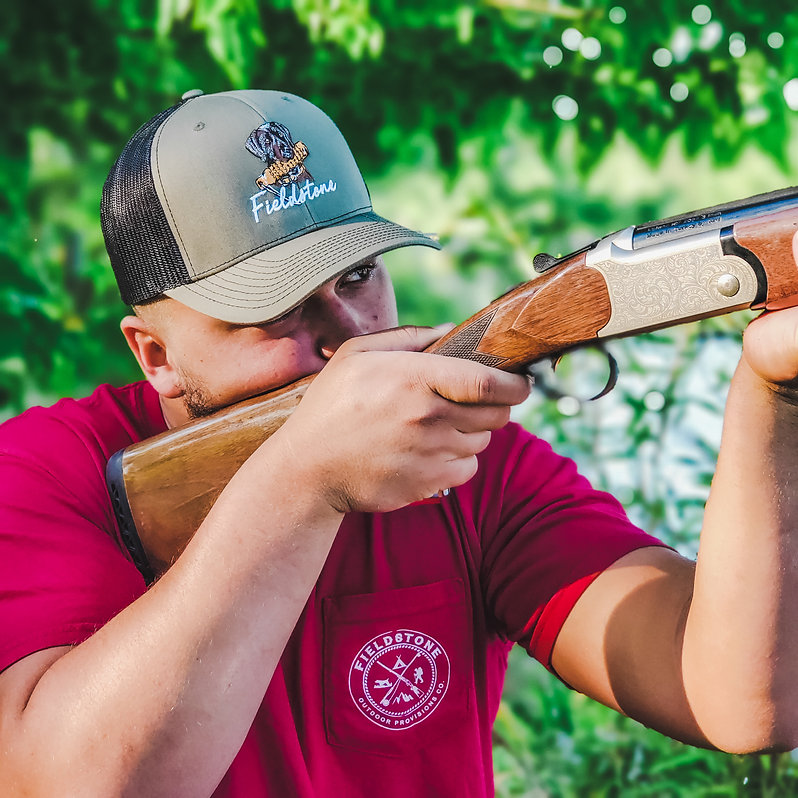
x=219, y=363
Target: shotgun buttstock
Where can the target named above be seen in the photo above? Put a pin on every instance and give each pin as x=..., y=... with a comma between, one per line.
x=169, y=482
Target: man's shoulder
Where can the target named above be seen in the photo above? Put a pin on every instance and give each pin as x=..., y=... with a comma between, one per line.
x=106, y=420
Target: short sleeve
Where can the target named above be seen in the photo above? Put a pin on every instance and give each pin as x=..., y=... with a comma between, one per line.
x=545, y=534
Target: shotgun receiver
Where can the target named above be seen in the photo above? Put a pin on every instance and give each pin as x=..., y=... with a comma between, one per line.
x=705, y=263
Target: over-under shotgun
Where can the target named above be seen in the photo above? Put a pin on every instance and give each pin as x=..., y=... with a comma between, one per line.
x=704, y=263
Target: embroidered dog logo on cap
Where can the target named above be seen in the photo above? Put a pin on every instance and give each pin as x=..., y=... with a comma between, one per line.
x=399, y=678
x=286, y=181
x=285, y=160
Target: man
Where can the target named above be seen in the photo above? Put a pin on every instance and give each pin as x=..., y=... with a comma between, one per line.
x=331, y=629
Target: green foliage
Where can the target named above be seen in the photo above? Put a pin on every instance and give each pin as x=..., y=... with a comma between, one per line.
x=232, y=31
x=508, y=127
x=458, y=90
x=550, y=741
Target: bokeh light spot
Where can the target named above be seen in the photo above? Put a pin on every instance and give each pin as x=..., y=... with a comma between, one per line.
x=662, y=57
x=565, y=107
x=590, y=48
x=617, y=15
x=679, y=92
x=568, y=405
x=571, y=39
x=701, y=14
x=654, y=401
x=552, y=56
x=776, y=40
x=710, y=35
x=737, y=46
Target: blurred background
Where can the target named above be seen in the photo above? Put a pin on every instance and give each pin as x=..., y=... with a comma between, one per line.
x=508, y=127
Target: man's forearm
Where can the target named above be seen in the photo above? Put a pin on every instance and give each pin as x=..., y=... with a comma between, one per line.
x=194, y=653
x=741, y=642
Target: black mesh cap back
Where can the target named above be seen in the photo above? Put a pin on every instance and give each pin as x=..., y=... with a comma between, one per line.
x=144, y=254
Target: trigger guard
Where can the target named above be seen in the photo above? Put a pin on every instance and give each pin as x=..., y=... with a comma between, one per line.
x=553, y=393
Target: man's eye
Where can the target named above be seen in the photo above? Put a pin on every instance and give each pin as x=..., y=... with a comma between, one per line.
x=358, y=275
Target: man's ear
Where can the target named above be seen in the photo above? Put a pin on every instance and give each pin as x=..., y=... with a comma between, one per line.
x=149, y=349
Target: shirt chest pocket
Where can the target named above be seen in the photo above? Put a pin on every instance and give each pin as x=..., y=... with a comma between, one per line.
x=397, y=667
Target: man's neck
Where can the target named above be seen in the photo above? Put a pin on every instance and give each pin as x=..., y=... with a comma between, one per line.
x=174, y=411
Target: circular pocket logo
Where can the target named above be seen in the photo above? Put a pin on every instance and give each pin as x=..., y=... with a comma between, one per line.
x=398, y=678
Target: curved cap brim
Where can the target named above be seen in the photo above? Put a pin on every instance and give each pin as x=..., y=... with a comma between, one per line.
x=263, y=287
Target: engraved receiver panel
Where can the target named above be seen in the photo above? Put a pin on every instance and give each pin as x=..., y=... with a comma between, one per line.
x=670, y=282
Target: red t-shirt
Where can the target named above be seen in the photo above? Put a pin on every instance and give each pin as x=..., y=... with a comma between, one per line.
x=391, y=680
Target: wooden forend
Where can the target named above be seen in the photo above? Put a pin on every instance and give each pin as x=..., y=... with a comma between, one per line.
x=771, y=238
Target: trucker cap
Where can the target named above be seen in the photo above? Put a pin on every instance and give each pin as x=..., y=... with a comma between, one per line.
x=240, y=205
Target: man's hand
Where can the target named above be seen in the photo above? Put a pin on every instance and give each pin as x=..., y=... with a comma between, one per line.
x=384, y=424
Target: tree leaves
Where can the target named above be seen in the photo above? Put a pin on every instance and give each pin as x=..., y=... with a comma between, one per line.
x=232, y=31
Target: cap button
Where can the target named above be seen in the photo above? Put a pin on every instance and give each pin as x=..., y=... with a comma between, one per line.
x=191, y=93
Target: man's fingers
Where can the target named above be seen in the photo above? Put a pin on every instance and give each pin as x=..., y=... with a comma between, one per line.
x=475, y=418
x=466, y=382
x=399, y=423
x=471, y=443
x=456, y=379
x=770, y=343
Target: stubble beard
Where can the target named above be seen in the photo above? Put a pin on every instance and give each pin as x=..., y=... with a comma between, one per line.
x=197, y=398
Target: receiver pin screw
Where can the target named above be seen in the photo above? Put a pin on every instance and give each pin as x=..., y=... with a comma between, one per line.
x=728, y=285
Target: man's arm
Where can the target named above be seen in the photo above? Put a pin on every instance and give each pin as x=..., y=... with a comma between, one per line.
x=709, y=654
x=159, y=700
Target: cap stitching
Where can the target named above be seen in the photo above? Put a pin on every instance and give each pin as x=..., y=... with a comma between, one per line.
x=210, y=291
x=301, y=260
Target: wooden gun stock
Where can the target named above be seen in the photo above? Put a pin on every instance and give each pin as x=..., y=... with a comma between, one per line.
x=710, y=262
